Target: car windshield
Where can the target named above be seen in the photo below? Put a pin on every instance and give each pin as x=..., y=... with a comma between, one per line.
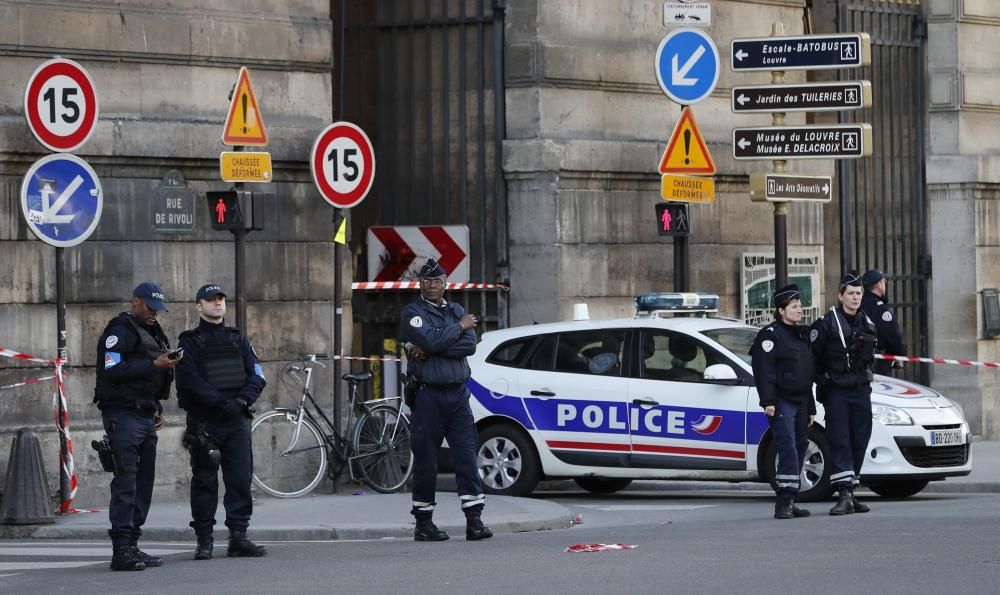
x=737, y=340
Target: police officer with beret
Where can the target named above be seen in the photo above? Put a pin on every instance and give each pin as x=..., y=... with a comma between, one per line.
x=218, y=382
x=874, y=304
x=134, y=372
x=439, y=336
x=783, y=372
x=844, y=342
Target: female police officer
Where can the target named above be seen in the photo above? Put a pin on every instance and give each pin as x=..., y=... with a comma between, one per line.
x=844, y=343
x=783, y=373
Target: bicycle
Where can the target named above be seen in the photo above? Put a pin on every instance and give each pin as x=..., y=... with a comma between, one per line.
x=294, y=448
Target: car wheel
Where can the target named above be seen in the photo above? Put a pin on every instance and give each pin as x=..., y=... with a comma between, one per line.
x=903, y=488
x=602, y=485
x=507, y=462
x=814, y=483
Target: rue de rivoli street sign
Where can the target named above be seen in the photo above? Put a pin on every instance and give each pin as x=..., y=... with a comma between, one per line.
x=811, y=97
x=844, y=141
x=171, y=205
x=773, y=187
x=802, y=52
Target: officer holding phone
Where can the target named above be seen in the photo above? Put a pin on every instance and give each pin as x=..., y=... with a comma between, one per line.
x=439, y=336
x=134, y=372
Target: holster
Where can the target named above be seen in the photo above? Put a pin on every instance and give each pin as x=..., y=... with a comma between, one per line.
x=104, y=453
x=410, y=387
x=203, y=448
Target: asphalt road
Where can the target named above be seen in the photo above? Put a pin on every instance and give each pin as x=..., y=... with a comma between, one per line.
x=711, y=542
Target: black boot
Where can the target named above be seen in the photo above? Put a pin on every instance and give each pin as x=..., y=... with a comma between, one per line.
x=149, y=561
x=426, y=530
x=241, y=547
x=205, y=545
x=844, y=504
x=859, y=506
x=783, y=508
x=123, y=558
x=475, y=530
x=799, y=512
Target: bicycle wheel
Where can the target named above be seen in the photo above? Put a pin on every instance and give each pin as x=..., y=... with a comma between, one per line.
x=289, y=459
x=382, y=449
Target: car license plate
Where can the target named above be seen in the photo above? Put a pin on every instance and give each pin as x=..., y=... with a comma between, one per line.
x=946, y=437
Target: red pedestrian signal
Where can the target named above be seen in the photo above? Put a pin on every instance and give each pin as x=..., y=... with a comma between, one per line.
x=224, y=210
x=672, y=219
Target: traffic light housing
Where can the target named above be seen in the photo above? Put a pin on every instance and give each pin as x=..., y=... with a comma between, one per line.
x=672, y=219
x=224, y=210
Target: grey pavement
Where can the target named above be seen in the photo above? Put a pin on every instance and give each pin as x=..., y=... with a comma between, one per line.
x=372, y=516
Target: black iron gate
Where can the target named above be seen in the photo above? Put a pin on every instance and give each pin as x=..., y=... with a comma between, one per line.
x=883, y=198
x=425, y=79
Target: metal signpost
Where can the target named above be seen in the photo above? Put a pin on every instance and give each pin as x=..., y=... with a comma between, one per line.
x=61, y=196
x=778, y=143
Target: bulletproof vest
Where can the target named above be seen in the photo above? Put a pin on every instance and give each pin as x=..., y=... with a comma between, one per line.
x=154, y=386
x=222, y=360
x=848, y=365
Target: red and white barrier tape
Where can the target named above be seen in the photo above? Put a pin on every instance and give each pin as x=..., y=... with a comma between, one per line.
x=4, y=352
x=598, y=547
x=27, y=382
x=373, y=285
x=936, y=360
x=370, y=358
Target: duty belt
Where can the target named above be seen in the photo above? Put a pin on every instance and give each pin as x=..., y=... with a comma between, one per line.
x=451, y=386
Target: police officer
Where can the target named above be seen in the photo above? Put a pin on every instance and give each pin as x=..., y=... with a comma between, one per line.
x=218, y=382
x=890, y=337
x=783, y=373
x=439, y=337
x=134, y=372
x=844, y=343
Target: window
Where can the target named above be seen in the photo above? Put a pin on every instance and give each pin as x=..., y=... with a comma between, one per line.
x=512, y=352
x=542, y=358
x=591, y=352
x=737, y=340
x=673, y=356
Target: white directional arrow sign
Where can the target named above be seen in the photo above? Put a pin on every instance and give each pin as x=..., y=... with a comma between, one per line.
x=61, y=199
x=742, y=99
x=740, y=54
x=744, y=143
x=50, y=213
x=687, y=65
x=680, y=76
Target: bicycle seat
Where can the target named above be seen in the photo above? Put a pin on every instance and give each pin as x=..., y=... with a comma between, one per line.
x=360, y=377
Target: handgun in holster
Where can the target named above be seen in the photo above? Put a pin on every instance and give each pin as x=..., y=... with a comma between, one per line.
x=104, y=453
x=410, y=387
x=203, y=448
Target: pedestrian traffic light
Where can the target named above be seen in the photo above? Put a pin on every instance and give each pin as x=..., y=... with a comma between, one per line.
x=224, y=210
x=672, y=219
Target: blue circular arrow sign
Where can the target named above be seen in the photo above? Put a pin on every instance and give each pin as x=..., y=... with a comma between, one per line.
x=61, y=198
x=687, y=65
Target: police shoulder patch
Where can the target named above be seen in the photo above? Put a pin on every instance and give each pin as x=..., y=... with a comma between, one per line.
x=887, y=316
x=767, y=346
x=813, y=335
x=111, y=341
x=416, y=322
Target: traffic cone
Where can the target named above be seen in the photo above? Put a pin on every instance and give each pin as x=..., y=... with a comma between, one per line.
x=26, y=498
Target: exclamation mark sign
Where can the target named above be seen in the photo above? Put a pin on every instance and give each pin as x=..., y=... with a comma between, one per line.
x=244, y=98
x=687, y=140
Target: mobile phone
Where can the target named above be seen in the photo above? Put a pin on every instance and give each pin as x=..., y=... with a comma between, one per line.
x=175, y=354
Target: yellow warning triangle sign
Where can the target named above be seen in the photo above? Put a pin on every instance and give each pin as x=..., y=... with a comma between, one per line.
x=686, y=152
x=245, y=123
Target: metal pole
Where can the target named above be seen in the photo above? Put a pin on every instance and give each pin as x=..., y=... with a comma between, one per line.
x=64, y=479
x=682, y=272
x=240, y=235
x=338, y=216
x=780, y=208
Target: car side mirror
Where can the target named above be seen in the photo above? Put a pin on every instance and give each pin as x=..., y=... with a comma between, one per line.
x=721, y=374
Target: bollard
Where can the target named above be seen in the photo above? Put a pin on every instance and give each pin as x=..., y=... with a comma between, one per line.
x=26, y=498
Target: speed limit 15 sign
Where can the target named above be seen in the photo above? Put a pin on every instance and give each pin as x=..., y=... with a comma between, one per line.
x=60, y=104
x=342, y=163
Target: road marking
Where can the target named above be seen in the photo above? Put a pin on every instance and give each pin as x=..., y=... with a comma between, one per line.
x=83, y=552
x=628, y=507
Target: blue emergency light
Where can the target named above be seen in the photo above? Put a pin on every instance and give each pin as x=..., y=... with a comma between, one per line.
x=649, y=303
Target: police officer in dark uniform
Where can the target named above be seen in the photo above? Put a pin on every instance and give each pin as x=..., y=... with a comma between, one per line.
x=874, y=304
x=439, y=336
x=783, y=373
x=134, y=372
x=844, y=343
x=218, y=382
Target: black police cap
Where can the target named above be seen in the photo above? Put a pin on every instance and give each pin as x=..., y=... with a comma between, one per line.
x=432, y=269
x=786, y=294
x=851, y=278
x=872, y=277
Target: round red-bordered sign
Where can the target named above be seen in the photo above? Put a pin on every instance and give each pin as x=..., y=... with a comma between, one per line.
x=60, y=104
x=342, y=163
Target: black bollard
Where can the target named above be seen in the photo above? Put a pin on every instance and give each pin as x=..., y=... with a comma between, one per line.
x=26, y=498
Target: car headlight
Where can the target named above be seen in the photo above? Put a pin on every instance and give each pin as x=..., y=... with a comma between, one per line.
x=891, y=416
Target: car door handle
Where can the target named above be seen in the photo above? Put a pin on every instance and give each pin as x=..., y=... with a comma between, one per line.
x=542, y=393
x=649, y=402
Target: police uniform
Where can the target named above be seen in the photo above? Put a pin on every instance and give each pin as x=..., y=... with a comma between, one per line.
x=890, y=336
x=441, y=409
x=783, y=373
x=128, y=392
x=844, y=347
x=218, y=381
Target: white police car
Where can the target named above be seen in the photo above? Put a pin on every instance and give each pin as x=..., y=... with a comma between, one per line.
x=654, y=397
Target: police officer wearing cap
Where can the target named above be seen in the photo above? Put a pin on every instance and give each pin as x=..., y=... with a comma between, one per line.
x=844, y=343
x=874, y=304
x=218, y=382
x=134, y=372
x=439, y=336
x=783, y=372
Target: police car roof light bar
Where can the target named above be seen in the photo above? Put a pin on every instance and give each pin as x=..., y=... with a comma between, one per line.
x=651, y=304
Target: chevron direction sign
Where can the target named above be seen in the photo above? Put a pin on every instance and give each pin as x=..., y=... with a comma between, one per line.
x=396, y=253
